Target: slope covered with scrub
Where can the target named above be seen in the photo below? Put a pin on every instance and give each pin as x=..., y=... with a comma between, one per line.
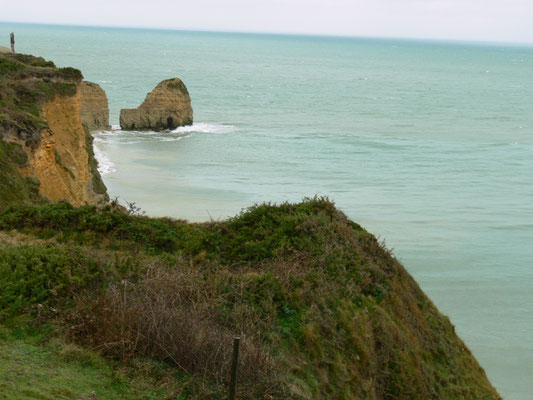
x=323, y=309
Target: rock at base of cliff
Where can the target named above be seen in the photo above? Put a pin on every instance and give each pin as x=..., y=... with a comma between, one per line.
x=166, y=107
x=94, y=111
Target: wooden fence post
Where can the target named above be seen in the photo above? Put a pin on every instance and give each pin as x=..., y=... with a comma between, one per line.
x=233, y=381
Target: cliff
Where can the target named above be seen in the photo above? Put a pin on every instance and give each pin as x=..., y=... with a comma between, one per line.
x=166, y=107
x=323, y=310
x=94, y=110
x=46, y=151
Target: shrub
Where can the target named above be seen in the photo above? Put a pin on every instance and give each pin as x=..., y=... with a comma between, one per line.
x=31, y=275
x=70, y=73
x=169, y=315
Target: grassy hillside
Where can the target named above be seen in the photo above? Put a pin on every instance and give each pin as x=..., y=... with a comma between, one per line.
x=33, y=366
x=324, y=310
x=26, y=83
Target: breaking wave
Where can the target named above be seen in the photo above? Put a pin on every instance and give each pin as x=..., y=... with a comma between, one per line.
x=118, y=136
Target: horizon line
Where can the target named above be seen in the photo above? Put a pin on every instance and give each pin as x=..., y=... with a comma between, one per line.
x=279, y=33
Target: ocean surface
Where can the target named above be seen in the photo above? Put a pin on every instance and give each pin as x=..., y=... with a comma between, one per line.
x=429, y=145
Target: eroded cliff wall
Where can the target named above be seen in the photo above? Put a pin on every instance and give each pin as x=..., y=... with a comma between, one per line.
x=45, y=144
x=62, y=159
x=94, y=110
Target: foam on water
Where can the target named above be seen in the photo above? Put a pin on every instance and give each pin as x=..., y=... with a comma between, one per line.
x=202, y=127
x=116, y=135
x=105, y=165
x=182, y=132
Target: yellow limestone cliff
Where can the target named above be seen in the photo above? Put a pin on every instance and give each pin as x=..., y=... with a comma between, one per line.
x=63, y=158
x=94, y=111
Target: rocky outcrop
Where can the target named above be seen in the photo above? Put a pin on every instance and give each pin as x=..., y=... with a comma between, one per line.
x=45, y=144
x=63, y=158
x=166, y=107
x=94, y=111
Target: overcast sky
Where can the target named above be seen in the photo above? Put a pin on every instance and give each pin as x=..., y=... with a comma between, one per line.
x=485, y=20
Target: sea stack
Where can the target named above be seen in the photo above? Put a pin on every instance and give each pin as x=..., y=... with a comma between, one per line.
x=166, y=107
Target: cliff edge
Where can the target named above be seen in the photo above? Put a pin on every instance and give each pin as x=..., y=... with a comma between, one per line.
x=166, y=107
x=46, y=150
x=94, y=110
x=323, y=310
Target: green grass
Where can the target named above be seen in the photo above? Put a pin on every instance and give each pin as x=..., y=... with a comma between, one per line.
x=324, y=309
x=32, y=275
x=60, y=162
x=32, y=367
x=15, y=153
x=15, y=188
x=26, y=82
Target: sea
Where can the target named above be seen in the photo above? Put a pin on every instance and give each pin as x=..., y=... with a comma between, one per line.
x=427, y=144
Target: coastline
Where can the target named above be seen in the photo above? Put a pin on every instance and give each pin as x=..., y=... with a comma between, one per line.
x=450, y=190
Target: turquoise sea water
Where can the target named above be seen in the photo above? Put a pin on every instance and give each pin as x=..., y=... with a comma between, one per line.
x=427, y=144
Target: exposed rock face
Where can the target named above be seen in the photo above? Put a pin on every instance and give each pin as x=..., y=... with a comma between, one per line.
x=94, y=109
x=166, y=107
x=5, y=50
x=45, y=142
x=63, y=159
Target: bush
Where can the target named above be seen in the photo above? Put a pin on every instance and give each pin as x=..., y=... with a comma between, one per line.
x=170, y=316
x=70, y=73
x=31, y=275
x=15, y=153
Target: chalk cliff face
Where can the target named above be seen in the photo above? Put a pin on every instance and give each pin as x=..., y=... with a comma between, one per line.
x=166, y=107
x=94, y=109
x=45, y=142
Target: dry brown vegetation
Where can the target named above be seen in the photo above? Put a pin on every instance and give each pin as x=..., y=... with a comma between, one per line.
x=170, y=316
x=325, y=311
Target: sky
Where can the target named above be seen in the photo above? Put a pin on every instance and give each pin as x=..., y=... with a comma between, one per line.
x=474, y=20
